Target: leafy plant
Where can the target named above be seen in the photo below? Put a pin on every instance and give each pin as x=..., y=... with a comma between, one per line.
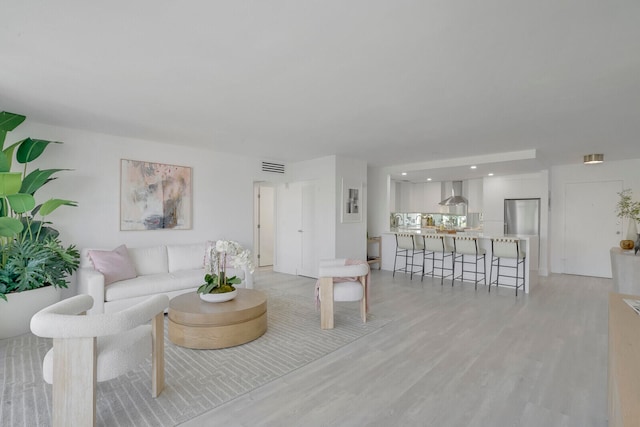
x=626, y=207
x=31, y=256
x=215, y=285
x=30, y=264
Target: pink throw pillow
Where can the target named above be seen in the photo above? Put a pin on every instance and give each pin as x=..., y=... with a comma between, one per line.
x=115, y=265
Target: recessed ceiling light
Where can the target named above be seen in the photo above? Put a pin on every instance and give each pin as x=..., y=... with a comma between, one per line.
x=473, y=167
x=490, y=174
x=593, y=159
x=404, y=174
x=428, y=179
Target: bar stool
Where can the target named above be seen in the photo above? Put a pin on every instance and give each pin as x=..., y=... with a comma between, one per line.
x=467, y=246
x=406, y=248
x=437, y=250
x=509, y=248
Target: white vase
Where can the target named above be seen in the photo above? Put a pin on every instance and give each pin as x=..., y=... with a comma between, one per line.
x=17, y=311
x=227, y=296
x=632, y=230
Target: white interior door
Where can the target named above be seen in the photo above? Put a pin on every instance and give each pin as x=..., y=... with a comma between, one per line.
x=296, y=229
x=265, y=225
x=288, y=222
x=591, y=228
x=308, y=256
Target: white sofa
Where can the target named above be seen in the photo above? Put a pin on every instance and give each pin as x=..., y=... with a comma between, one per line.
x=171, y=270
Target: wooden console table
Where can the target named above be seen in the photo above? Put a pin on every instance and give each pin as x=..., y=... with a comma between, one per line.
x=624, y=369
x=377, y=258
x=625, y=271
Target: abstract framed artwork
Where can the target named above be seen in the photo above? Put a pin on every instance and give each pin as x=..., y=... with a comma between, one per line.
x=351, y=202
x=154, y=196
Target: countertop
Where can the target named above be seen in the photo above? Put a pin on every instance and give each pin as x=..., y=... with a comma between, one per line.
x=452, y=233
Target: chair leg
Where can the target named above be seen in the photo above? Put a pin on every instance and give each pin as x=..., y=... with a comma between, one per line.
x=524, y=272
x=491, y=274
x=74, y=382
x=517, y=271
x=326, y=303
x=363, y=302
x=475, y=280
x=453, y=269
x=412, y=258
x=157, y=355
x=484, y=269
x=394, y=264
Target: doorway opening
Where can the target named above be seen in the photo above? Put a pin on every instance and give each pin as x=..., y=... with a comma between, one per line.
x=264, y=224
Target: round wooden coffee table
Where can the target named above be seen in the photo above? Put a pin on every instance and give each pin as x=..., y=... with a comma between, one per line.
x=194, y=323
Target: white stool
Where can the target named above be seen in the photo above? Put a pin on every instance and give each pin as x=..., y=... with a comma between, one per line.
x=508, y=248
x=406, y=248
x=466, y=246
x=437, y=250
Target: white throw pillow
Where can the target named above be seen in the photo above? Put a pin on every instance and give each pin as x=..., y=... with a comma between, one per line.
x=114, y=265
x=151, y=260
x=185, y=257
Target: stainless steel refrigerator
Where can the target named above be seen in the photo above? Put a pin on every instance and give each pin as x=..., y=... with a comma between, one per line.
x=522, y=216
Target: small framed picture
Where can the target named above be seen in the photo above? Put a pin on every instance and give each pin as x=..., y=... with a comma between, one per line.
x=351, y=201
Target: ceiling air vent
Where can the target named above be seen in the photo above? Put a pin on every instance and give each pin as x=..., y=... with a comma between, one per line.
x=272, y=167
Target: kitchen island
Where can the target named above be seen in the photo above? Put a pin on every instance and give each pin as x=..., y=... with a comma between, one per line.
x=528, y=242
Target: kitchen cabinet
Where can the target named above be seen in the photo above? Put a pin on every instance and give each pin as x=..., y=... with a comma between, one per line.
x=403, y=197
x=474, y=194
x=432, y=196
x=417, y=197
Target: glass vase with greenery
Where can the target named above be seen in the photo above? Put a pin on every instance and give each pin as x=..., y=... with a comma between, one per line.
x=630, y=209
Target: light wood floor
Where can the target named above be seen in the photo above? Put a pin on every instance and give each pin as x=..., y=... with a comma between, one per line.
x=452, y=356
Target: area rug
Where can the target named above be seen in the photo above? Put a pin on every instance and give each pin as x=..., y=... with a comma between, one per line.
x=196, y=380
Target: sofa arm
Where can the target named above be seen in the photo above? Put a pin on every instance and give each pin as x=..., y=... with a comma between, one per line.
x=91, y=282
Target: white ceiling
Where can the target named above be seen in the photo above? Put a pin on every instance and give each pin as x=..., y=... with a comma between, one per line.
x=392, y=82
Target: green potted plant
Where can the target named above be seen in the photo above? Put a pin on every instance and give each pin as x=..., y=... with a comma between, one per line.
x=32, y=257
x=627, y=208
x=218, y=286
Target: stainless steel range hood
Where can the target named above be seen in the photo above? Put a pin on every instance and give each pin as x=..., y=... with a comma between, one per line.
x=456, y=195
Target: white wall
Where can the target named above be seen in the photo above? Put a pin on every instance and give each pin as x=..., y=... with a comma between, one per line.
x=335, y=239
x=323, y=172
x=378, y=204
x=628, y=171
x=498, y=188
x=222, y=188
x=351, y=237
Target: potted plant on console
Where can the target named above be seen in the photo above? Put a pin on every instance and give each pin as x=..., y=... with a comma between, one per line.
x=34, y=264
x=627, y=208
x=218, y=287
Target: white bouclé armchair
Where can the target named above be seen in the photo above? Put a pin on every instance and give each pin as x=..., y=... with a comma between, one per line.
x=91, y=349
x=342, y=280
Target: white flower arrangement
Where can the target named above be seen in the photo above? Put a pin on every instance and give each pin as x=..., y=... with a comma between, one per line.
x=219, y=256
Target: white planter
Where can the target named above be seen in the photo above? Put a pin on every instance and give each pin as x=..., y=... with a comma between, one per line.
x=632, y=230
x=16, y=313
x=227, y=296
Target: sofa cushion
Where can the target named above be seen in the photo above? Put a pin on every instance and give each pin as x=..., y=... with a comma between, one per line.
x=154, y=284
x=115, y=265
x=150, y=260
x=186, y=257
